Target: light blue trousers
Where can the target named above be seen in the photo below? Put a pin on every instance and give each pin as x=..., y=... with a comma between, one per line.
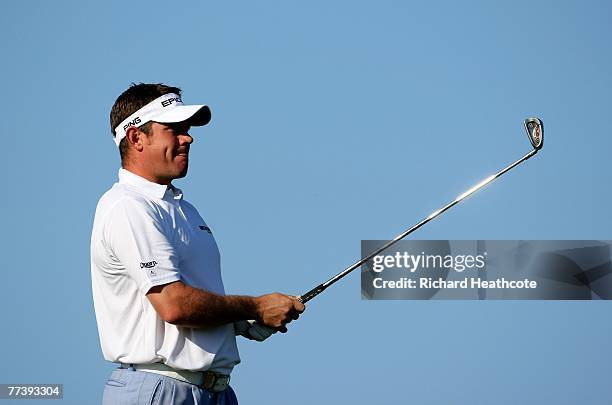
x=127, y=386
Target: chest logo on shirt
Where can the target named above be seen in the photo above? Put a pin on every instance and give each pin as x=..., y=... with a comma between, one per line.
x=205, y=228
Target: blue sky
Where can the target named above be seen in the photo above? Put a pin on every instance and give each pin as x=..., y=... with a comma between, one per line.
x=333, y=122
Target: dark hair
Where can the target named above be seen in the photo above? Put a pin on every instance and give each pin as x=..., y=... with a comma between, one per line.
x=131, y=100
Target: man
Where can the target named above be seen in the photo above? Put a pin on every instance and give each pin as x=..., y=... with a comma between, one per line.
x=160, y=304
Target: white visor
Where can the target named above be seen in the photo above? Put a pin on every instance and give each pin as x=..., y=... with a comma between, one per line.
x=166, y=109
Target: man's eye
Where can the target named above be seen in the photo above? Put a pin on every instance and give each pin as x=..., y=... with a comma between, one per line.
x=179, y=130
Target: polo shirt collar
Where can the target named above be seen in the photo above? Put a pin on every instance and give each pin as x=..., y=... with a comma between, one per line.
x=147, y=187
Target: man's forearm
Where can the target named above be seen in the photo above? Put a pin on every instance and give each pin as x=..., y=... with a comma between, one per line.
x=182, y=305
x=203, y=308
x=187, y=306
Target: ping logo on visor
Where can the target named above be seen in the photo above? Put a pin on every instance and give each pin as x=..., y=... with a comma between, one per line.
x=135, y=121
x=166, y=109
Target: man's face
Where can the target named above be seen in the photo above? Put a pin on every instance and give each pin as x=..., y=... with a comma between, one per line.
x=166, y=151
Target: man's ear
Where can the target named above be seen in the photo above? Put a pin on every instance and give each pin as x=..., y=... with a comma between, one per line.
x=134, y=136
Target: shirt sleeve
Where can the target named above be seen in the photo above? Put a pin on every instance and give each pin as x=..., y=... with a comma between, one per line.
x=141, y=240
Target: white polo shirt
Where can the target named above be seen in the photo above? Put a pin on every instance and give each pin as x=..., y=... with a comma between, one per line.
x=144, y=235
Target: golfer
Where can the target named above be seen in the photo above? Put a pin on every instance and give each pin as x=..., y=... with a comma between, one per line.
x=161, y=308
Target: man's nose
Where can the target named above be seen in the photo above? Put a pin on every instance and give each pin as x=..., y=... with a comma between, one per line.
x=185, y=139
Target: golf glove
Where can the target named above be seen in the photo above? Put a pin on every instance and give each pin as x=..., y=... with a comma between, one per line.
x=253, y=330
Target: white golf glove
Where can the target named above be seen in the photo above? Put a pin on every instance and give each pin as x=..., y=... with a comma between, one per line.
x=253, y=330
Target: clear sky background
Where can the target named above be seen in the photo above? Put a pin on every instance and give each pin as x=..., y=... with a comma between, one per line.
x=333, y=122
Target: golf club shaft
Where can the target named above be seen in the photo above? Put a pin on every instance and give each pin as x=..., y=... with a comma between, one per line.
x=321, y=287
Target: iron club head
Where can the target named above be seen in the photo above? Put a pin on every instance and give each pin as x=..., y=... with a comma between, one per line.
x=535, y=132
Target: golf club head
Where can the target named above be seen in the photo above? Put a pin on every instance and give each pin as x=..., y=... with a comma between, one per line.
x=535, y=132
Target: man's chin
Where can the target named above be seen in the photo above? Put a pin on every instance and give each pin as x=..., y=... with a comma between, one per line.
x=181, y=174
x=181, y=168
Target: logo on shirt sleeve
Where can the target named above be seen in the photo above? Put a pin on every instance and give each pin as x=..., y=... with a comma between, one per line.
x=205, y=228
x=148, y=265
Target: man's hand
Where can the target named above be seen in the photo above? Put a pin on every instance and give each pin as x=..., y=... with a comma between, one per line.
x=253, y=330
x=277, y=310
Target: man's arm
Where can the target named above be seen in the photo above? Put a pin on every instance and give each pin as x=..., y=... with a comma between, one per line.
x=183, y=305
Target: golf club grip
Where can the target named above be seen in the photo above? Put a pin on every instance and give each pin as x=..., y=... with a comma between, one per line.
x=304, y=298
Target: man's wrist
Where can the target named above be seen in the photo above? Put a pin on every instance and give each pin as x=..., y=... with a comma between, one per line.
x=247, y=306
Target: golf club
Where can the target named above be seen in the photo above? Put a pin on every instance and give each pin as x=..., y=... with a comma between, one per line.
x=535, y=133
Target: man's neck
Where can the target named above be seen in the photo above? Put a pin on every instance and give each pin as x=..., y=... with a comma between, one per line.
x=146, y=175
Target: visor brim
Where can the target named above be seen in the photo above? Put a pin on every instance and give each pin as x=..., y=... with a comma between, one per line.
x=194, y=115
